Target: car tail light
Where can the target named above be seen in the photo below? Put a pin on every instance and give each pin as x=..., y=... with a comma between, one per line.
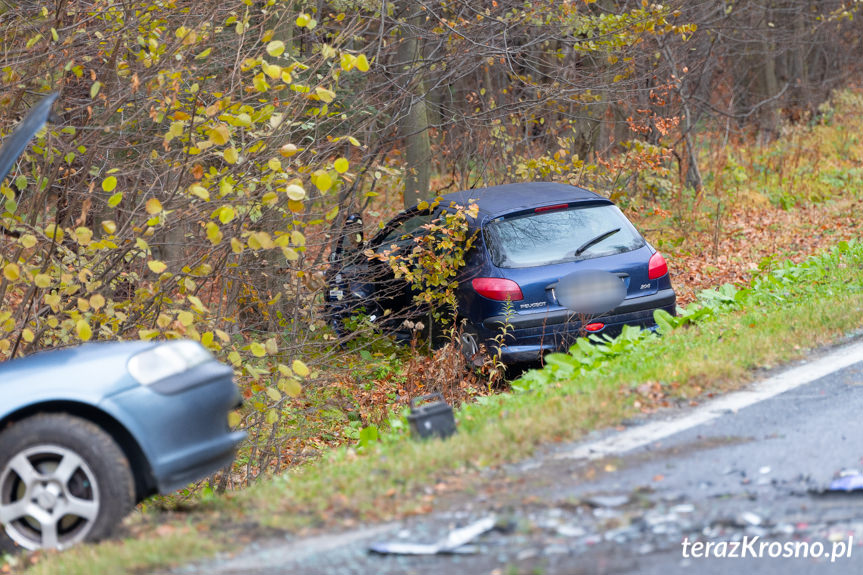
x=498, y=289
x=551, y=208
x=656, y=267
x=595, y=326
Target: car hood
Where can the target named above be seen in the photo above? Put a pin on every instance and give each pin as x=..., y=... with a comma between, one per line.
x=14, y=145
x=87, y=372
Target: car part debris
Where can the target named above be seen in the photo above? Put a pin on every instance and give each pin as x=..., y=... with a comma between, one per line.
x=431, y=419
x=608, y=500
x=456, y=541
x=749, y=518
x=847, y=480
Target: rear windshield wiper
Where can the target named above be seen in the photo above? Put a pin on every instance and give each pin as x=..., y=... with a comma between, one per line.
x=595, y=240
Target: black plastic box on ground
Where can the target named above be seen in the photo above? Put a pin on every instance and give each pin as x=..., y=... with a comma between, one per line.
x=431, y=418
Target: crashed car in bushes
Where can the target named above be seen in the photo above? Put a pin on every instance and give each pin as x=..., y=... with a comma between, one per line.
x=86, y=432
x=550, y=262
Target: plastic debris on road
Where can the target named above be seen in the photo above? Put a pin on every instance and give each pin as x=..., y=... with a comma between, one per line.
x=456, y=541
x=847, y=480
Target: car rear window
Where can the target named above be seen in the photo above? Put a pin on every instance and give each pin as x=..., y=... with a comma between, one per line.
x=551, y=237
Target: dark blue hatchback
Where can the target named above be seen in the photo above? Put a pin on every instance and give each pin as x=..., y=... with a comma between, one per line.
x=531, y=237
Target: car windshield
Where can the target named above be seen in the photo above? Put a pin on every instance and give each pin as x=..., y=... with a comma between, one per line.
x=559, y=236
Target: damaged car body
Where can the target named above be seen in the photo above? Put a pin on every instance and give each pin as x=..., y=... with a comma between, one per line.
x=88, y=431
x=551, y=262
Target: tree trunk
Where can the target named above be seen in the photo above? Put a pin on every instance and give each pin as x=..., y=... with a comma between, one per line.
x=413, y=125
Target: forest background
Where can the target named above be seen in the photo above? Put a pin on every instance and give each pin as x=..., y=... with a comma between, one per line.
x=207, y=154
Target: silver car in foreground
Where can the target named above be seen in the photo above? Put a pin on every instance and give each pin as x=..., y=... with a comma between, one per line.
x=86, y=432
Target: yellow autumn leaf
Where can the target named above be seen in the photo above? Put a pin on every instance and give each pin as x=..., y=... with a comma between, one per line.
x=300, y=368
x=290, y=254
x=264, y=240
x=297, y=238
x=271, y=346
x=347, y=61
x=260, y=83
x=295, y=192
x=186, y=318
x=362, y=63
x=147, y=334
x=11, y=272
x=234, y=419
x=226, y=214
x=323, y=182
x=324, y=94
x=341, y=165
x=236, y=246
x=328, y=51
x=296, y=206
x=42, y=280
x=53, y=300
x=231, y=155
x=153, y=206
x=83, y=235
x=258, y=350
x=288, y=150
x=27, y=240
x=156, y=266
x=109, y=227
x=220, y=134
x=276, y=48
x=54, y=232
x=214, y=234
x=97, y=301
x=274, y=71
x=82, y=328
x=200, y=191
x=109, y=183
x=291, y=387
x=273, y=394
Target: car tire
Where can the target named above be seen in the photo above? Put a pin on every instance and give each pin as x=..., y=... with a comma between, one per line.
x=63, y=480
x=470, y=349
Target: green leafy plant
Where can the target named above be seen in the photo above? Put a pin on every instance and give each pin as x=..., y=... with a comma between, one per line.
x=432, y=262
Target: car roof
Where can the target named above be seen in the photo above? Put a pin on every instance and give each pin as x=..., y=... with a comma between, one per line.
x=495, y=201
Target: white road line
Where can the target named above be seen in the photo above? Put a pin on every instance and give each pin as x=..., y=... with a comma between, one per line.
x=759, y=391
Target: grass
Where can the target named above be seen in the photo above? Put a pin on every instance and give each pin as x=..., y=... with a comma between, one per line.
x=792, y=310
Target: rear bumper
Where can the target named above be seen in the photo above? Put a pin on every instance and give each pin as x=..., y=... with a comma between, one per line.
x=663, y=299
x=532, y=335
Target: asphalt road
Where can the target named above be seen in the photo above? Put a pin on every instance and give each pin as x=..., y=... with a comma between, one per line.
x=746, y=475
